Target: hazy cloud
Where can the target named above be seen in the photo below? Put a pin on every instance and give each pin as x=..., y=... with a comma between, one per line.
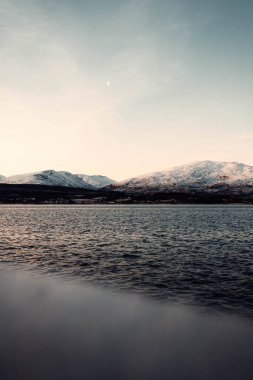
x=244, y=137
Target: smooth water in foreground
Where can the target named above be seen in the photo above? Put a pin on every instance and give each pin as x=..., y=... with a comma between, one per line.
x=53, y=330
x=192, y=254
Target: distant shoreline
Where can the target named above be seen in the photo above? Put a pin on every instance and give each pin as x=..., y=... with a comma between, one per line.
x=42, y=194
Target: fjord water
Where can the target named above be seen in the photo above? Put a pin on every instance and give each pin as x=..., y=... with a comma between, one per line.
x=200, y=255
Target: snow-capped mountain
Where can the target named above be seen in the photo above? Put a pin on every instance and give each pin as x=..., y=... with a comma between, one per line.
x=98, y=181
x=205, y=176
x=59, y=178
x=198, y=176
x=50, y=178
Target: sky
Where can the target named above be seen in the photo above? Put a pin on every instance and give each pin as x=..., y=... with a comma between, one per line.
x=124, y=87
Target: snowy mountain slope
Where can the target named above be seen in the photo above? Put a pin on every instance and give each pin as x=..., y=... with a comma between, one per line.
x=98, y=181
x=208, y=176
x=50, y=178
x=198, y=176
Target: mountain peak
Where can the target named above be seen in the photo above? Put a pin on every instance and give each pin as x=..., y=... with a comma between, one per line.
x=48, y=177
x=198, y=176
x=51, y=177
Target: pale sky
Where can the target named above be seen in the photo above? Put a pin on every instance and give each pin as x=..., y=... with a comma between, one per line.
x=124, y=87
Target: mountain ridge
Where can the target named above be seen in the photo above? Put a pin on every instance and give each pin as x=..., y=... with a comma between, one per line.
x=197, y=176
x=58, y=178
x=208, y=176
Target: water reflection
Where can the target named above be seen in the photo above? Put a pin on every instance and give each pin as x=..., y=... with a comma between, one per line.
x=53, y=330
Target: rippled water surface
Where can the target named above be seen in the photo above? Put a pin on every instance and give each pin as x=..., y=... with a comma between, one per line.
x=199, y=254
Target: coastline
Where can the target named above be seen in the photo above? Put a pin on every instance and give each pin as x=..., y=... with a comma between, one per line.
x=42, y=194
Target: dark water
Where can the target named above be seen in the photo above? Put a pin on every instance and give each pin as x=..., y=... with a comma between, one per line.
x=192, y=254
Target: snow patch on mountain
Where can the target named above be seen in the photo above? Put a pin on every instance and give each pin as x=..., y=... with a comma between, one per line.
x=98, y=181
